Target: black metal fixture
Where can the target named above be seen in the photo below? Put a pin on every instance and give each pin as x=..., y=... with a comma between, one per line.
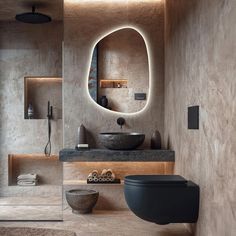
x=48, y=147
x=193, y=117
x=33, y=17
x=120, y=121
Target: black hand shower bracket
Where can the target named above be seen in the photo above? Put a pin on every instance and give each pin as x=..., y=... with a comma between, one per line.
x=48, y=147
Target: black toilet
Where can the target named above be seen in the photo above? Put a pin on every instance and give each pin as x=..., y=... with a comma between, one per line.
x=162, y=199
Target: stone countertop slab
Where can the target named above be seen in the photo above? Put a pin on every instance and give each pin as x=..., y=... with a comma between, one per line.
x=103, y=155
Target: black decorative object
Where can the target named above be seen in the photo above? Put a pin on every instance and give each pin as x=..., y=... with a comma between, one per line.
x=104, y=101
x=193, y=117
x=162, y=199
x=156, y=140
x=82, y=139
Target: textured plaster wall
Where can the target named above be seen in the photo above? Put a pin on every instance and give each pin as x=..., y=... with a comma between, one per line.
x=200, y=69
x=84, y=23
x=25, y=50
x=123, y=55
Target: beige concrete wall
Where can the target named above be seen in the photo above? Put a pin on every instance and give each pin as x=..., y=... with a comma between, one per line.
x=25, y=50
x=200, y=69
x=84, y=23
x=123, y=55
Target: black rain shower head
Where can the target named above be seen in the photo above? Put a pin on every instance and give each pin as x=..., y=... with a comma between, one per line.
x=33, y=17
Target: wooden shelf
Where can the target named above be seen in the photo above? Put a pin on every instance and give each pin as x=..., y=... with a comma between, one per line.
x=84, y=182
x=105, y=83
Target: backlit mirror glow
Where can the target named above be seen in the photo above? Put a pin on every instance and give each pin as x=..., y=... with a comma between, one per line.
x=119, y=72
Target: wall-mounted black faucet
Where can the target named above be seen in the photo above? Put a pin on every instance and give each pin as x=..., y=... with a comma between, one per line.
x=120, y=121
x=48, y=147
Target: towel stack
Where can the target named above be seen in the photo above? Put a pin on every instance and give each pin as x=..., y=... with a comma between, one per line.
x=105, y=176
x=27, y=180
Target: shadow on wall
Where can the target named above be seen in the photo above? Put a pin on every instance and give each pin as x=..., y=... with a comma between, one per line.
x=182, y=12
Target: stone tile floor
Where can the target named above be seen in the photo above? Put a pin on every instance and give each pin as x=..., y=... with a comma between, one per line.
x=117, y=223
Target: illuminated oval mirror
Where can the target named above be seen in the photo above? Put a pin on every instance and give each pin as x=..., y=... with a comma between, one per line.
x=119, y=72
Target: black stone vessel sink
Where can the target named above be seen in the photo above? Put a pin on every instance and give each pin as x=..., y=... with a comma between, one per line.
x=121, y=141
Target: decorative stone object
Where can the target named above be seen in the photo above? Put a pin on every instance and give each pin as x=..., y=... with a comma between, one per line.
x=156, y=140
x=82, y=139
x=82, y=201
x=121, y=141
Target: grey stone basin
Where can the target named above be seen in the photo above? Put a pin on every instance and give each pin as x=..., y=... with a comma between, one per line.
x=121, y=141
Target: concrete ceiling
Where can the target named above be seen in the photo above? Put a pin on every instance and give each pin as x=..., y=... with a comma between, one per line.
x=9, y=8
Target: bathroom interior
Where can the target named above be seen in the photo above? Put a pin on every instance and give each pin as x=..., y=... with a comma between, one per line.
x=117, y=117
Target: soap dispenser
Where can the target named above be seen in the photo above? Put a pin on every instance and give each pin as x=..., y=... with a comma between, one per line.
x=30, y=111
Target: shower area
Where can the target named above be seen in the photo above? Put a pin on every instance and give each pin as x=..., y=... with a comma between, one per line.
x=31, y=110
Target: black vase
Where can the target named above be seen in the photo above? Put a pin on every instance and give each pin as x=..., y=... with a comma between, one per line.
x=156, y=140
x=104, y=101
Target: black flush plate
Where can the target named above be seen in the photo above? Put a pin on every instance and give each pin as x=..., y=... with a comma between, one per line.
x=193, y=117
x=140, y=96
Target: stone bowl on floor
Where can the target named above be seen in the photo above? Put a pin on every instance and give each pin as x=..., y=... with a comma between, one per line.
x=82, y=201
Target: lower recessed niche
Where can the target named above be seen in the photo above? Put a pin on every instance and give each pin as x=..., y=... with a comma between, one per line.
x=40, y=90
x=48, y=169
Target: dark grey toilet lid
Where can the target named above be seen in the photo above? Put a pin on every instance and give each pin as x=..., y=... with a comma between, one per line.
x=156, y=179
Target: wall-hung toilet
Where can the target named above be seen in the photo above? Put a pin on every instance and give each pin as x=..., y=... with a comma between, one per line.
x=162, y=199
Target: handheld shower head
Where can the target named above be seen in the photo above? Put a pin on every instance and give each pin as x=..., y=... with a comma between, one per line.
x=48, y=147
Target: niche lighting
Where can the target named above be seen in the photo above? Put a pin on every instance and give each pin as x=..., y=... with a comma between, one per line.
x=111, y=1
x=149, y=67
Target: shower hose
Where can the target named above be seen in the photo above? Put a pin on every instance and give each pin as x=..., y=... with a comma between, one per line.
x=47, y=149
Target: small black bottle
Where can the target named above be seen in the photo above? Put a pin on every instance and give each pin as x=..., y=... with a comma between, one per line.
x=104, y=101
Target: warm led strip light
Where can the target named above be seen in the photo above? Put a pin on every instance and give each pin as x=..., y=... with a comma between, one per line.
x=112, y=1
x=149, y=67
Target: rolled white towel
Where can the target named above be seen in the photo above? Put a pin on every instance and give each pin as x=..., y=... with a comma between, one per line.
x=109, y=172
x=104, y=173
x=94, y=173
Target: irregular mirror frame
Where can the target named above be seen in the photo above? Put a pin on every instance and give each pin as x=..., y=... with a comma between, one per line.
x=119, y=72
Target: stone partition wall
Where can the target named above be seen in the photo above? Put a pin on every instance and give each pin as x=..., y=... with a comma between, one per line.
x=200, y=69
x=26, y=50
x=84, y=23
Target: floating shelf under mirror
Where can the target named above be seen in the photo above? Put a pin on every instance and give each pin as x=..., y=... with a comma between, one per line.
x=40, y=90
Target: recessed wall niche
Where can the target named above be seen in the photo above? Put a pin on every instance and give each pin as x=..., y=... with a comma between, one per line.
x=40, y=90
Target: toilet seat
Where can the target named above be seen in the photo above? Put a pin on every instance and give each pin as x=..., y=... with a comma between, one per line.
x=155, y=180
